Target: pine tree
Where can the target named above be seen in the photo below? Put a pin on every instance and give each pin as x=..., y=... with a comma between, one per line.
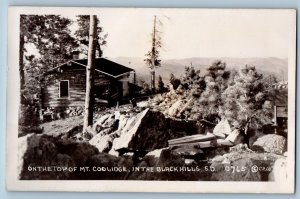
x=175, y=82
x=246, y=104
x=82, y=35
x=216, y=81
x=31, y=27
x=58, y=43
x=51, y=37
x=160, y=84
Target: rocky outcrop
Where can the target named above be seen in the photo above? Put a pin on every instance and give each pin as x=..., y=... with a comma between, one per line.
x=141, y=130
x=279, y=172
x=238, y=163
x=42, y=157
x=271, y=143
x=43, y=151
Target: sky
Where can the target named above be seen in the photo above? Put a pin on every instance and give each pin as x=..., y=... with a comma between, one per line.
x=198, y=33
x=190, y=33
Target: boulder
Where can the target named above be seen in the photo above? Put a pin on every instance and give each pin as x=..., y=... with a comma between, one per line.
x=279, y=172
x=145, y=131
x=152, y=157
x=110, y=122
x=106, y=131
x=142, y=104
x=130, y=122
x=239, y=170
x=222, y=129
x=242, y=164
x=97, y=128
x=102, y=119
x=175, y=108
x=179, y=125
x=126, y=136
x=103, y=142
x=112, y=167
x=271, y=143
x=155, y=153
x=235, y=137
x=90, y=132
x=189, y=161
x=240, y=148
x=187, y=150
x=25, y=144
x=163, y=166
x=45, y=151
x=218, y=158
x=122, y=122
x=253, y=136
x=80, y=152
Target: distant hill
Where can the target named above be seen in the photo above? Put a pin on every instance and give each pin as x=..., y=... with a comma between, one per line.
x=270, y=65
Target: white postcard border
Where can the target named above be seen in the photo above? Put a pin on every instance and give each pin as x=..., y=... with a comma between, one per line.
x=13, y=184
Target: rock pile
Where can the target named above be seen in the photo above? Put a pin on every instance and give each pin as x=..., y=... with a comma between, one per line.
x=74, y=111
x=54, y=113
x=179, y=103
x=122, y=131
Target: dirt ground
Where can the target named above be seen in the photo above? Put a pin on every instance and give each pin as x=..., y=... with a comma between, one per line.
x=59, y=127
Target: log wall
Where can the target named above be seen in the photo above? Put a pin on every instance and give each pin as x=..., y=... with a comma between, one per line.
x=77, y=81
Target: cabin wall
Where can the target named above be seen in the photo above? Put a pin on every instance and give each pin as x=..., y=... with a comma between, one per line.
x=77, y=86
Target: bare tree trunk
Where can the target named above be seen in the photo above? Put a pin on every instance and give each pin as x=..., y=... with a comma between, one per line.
x=89, y=97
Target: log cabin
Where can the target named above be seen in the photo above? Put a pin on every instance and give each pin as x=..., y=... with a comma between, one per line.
x=64, y=86
x=281, y=108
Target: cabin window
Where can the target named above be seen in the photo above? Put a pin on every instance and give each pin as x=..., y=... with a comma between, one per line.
x=64, y=88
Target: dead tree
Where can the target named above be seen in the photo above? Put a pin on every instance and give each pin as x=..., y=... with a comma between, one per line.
x=152, y=57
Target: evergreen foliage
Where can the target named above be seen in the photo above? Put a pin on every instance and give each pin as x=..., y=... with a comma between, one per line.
x=160, y=84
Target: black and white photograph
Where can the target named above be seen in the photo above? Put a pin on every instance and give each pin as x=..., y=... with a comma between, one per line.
x=151, y=99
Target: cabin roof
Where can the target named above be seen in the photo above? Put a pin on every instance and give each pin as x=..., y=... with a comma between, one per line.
x=102, y=65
